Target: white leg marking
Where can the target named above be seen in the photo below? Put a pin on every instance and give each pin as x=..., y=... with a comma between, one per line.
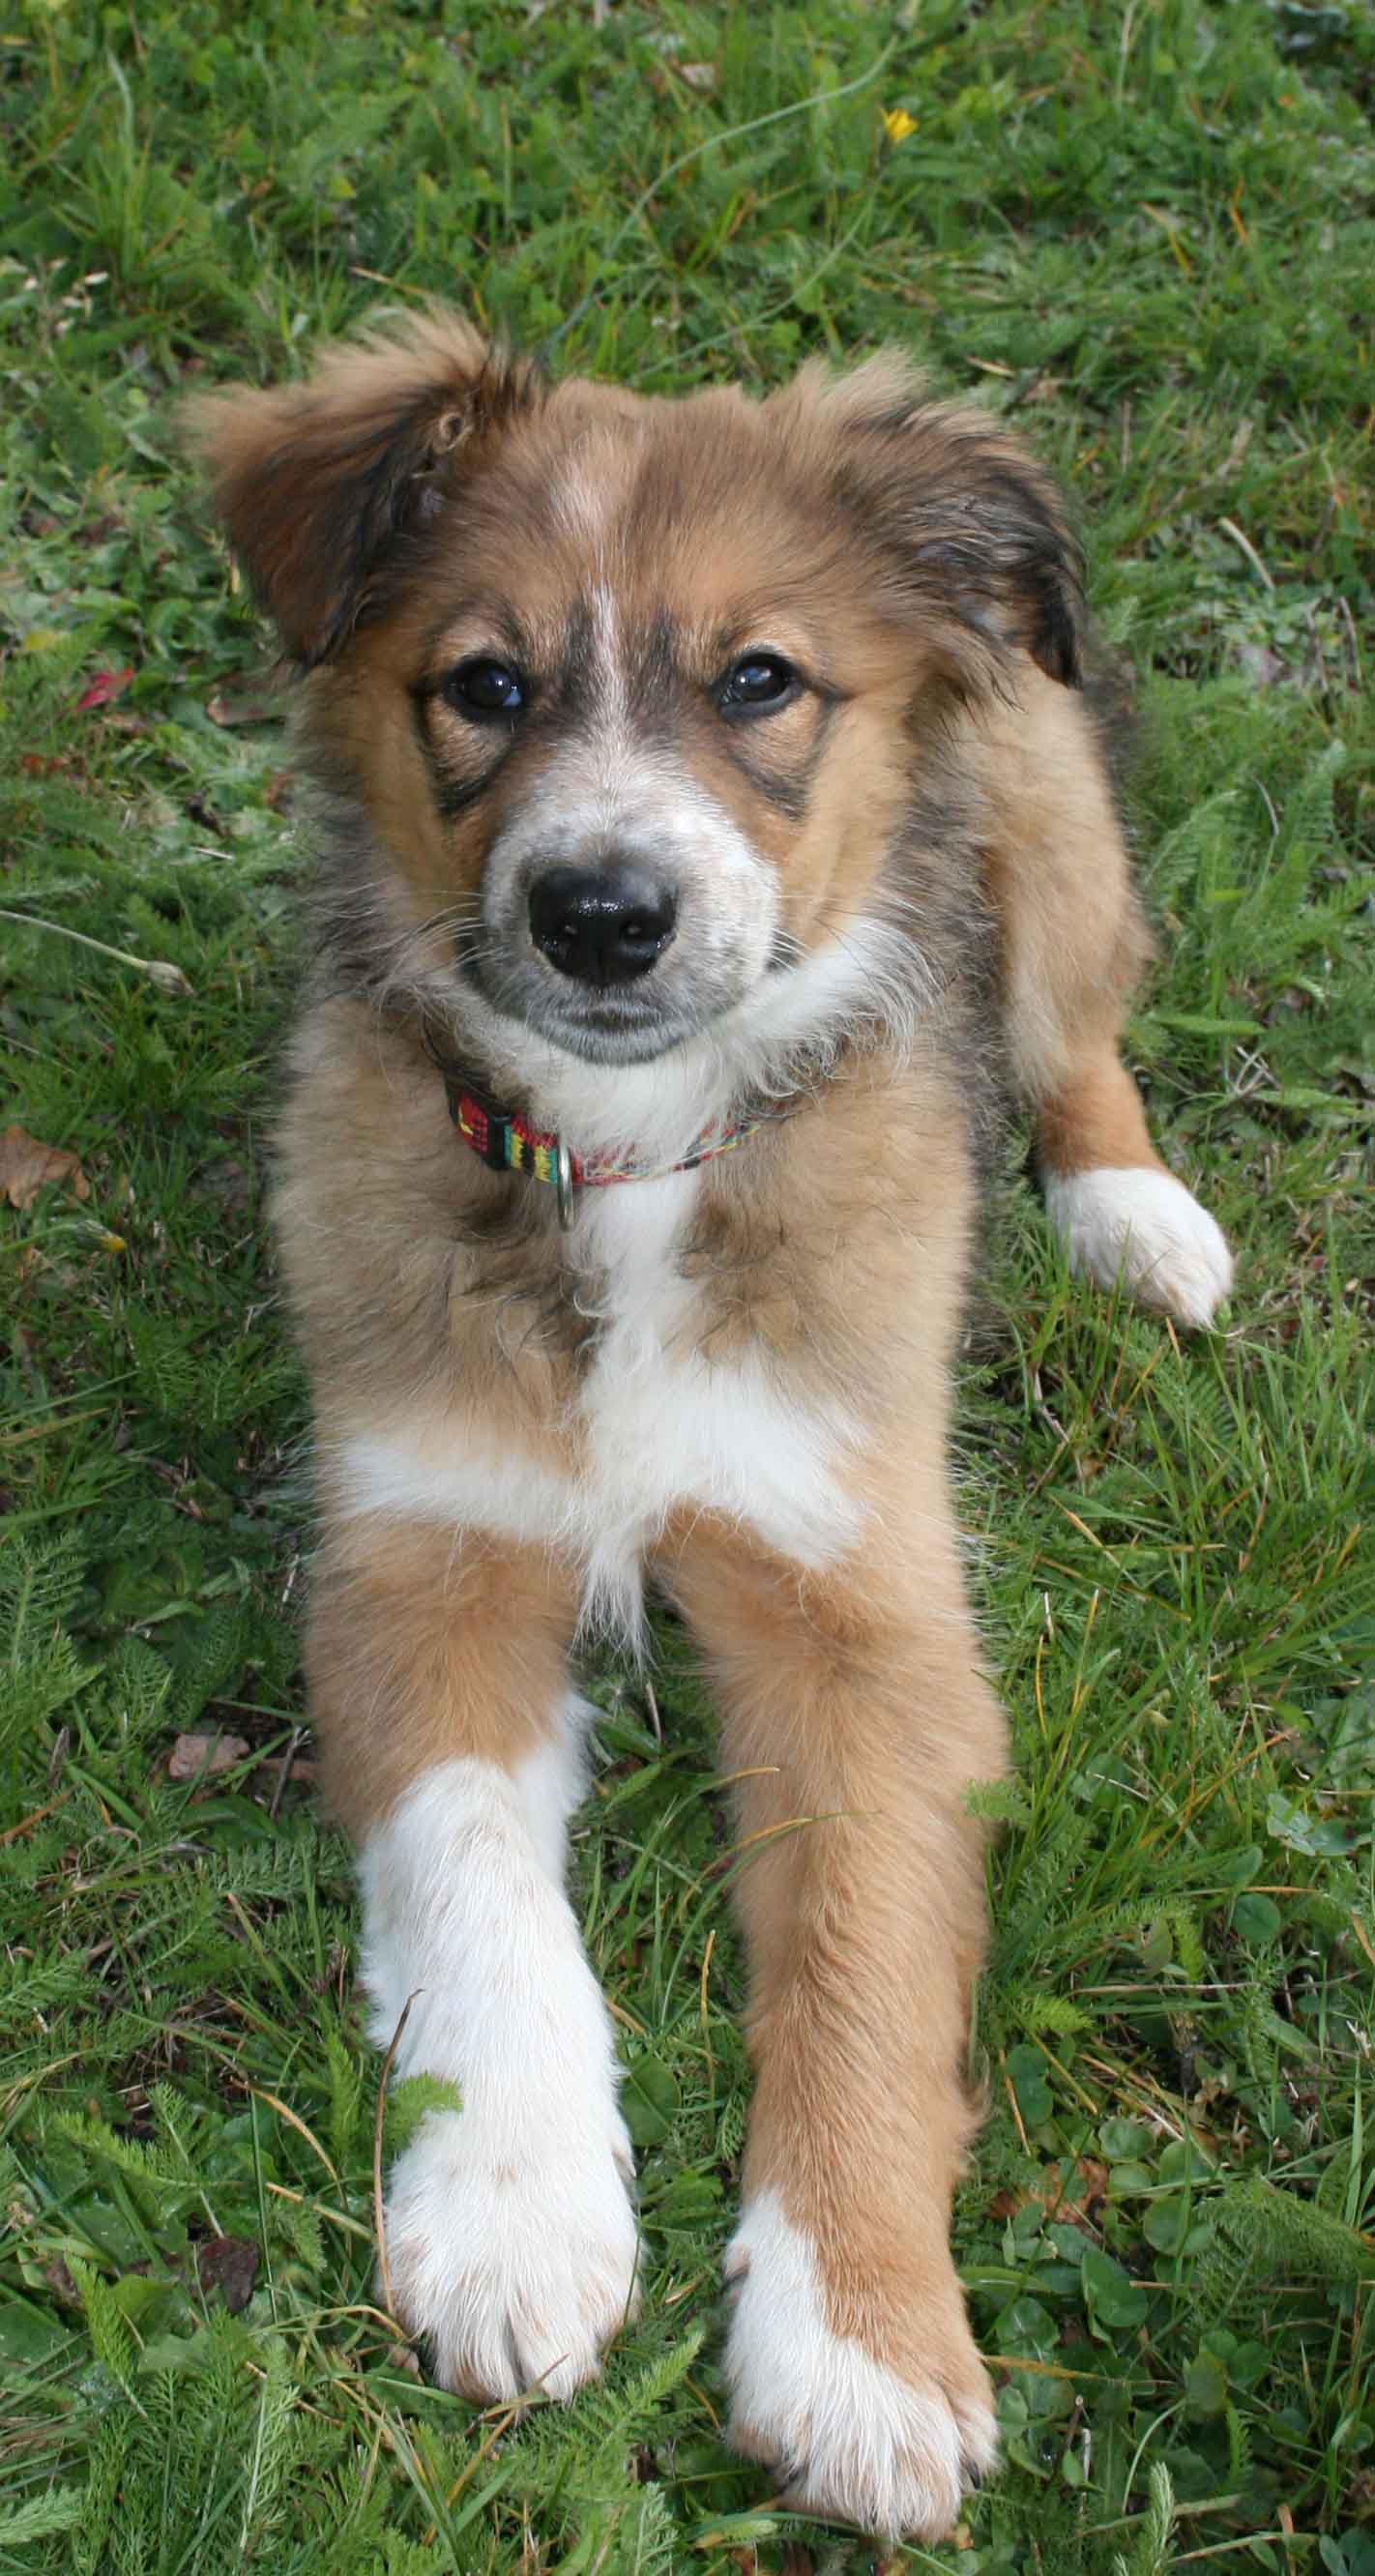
x=510, y=2234
x=1146, y=1228
x=850, y=2438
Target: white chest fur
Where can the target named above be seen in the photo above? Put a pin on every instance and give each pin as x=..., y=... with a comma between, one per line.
x=659, y=1423
x=665, y=1423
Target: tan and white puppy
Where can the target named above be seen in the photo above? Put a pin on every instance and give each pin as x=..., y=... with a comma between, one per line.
x=685, y=772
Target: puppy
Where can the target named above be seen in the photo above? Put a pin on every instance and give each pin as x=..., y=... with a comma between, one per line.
x=711, y=827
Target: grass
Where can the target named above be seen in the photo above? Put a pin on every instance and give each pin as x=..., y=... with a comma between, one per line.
x=1147, y=234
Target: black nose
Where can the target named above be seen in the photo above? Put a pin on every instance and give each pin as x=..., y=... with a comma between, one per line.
x=603, y=925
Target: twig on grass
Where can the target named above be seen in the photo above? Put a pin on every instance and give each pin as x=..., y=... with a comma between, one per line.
x=1243, y=543
x=167, y=977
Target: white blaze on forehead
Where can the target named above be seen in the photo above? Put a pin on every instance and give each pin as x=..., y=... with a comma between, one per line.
x=590, y=488
x=584, y=501
x=610, y=679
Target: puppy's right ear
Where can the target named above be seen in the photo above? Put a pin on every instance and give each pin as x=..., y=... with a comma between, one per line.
x=315, y=483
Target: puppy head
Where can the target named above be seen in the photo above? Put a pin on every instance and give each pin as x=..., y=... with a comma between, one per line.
x=633, y=694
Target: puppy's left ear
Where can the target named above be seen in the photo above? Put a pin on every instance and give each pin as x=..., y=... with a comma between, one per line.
x=317, y=484
x=989, y=526
x=967, y=522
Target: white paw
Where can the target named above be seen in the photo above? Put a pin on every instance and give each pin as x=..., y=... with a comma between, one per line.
x=1143, y=1227
x=847, y=2438
x=515, y=2260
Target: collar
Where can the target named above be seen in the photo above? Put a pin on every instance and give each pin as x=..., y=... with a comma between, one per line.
x=513, y=1145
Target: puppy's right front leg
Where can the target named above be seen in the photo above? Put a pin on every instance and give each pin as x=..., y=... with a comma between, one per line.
x=452, y=1748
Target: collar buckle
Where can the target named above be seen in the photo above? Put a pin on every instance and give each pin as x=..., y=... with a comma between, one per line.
x=565, y=1185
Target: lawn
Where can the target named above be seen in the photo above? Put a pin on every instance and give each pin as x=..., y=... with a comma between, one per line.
x=1146, y=235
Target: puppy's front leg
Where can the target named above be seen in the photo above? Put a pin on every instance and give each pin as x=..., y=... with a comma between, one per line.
x=853, y=1707
x=453, y=1754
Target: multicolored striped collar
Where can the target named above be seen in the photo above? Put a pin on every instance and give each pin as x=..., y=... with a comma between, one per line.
x=512, y=1145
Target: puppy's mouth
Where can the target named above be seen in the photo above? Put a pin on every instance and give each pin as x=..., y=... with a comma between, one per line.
x=603, y=1024
x=618, y=1037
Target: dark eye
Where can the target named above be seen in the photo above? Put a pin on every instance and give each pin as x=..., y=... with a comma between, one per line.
x=758, y=684
x=483, y=688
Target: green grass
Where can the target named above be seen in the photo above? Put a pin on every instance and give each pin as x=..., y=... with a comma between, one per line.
x=1147, y=235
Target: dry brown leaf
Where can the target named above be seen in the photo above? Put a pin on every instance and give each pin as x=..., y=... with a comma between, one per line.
x=60, y=2282
x=228, y=2264
x=196, y=1756
x=1080, y=2195
x=26, y=1167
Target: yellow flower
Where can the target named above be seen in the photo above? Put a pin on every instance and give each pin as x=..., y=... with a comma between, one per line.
x=897, y=124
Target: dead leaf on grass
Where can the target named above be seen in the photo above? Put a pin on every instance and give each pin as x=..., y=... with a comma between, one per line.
x=200, y=1756
x=96, y=531
x=60, y=2282
x=105, y=686
x=230, y=2264
x=26, y=1167
x=1080, y=2195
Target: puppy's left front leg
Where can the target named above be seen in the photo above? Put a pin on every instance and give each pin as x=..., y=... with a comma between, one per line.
x=452, y=1747
x=854, y=1719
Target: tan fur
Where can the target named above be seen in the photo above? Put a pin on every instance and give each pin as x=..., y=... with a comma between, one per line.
x=854, y=1706
x=916, y=561
x=1074, y=942
x=423, y=1646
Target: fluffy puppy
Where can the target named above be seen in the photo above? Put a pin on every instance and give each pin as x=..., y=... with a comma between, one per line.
x=711, y=827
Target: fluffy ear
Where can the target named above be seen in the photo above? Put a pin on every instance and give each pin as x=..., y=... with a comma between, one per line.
x=314, y=483
x=968, y=522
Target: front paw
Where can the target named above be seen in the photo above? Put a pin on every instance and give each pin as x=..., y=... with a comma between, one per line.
x=513, y=2256
x=850, y=2437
